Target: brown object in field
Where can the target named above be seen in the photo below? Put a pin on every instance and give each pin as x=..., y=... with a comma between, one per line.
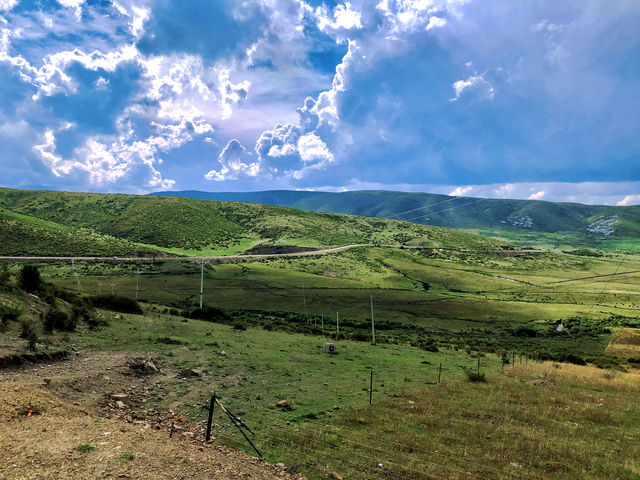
x=330, y=348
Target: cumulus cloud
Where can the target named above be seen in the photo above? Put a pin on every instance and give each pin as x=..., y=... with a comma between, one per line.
x=392, y=88
x=343, y=18
x=8, y=4
x=435, y=22
x=629, y=200
x=474, y=84
x=537, y=195
x=232, y=166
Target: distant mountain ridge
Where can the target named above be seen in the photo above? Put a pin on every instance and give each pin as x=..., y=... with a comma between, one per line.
x=447, y=211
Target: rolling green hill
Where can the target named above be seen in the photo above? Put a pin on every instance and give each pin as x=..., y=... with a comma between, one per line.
x=192, y=226
x=24, y=235
x=587, y=223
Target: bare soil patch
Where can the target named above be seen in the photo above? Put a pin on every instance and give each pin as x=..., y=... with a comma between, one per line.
x=98, y=399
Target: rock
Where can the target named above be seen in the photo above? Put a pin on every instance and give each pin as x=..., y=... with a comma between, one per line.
x=223, y=353
x=188, y=373
x=47, y=381
x=120, y=404
x=119, y=396
x=334, y=476
x=283, y=405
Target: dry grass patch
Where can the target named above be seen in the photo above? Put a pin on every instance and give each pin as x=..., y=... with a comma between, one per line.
x=625, y=342
x=576, y=375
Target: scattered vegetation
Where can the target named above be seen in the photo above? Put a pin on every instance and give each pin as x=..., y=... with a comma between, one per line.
x=85, y=448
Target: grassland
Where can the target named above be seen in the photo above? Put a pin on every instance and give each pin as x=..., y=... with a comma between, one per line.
x=516, y=424
x=25, y=235
x=479, y=301
x=199, y=227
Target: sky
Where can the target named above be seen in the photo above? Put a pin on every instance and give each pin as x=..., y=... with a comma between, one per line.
x=490, y=98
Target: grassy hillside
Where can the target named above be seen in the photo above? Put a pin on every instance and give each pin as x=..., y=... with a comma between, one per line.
x=24, y=235
x=194, y=226
x=588, y=223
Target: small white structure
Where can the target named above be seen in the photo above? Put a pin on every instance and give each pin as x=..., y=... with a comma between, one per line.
x=560, y=328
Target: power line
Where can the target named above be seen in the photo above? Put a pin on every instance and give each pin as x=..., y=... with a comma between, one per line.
x=447, y=209
x=427, y=206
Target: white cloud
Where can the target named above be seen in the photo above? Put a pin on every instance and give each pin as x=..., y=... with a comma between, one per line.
x=435, y=22
x=461, y=191
x=8, y=4
x=475, y=83
x=537, y=195
x=232, y=165
x=629, y=200
x=102, y=83
x=76, y=5
x=343, y=18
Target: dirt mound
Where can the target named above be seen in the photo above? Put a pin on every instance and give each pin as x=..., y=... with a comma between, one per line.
x=143, y=366
x=60, y=441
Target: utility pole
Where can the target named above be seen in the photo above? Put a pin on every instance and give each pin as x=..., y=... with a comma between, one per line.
x=373, y=325
x=304, y=299
x=75, y=272
x=202, y=264
x=113, y=286
x=137, y=272
x=99, y=288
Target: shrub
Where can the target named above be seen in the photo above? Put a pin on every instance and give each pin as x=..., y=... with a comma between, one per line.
x=85, y=448
x=525, y=332
x=127, y=457
x=8, y=314
x=30, y=280
x=56, y=319
x=116, y=303
x=474, y=376
x=5, y=275
x=210, y=314
x=239, y=325
x=28, y=332
x=571, y=358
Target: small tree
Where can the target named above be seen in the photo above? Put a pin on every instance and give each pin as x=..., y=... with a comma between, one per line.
x=30, y=280
x=5, y=275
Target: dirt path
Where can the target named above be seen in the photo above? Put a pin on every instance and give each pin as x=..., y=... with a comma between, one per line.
x=48, y=409
x=321, y=251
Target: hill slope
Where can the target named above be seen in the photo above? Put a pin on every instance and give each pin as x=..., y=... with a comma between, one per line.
x=24, y=235
x=194, y=226
x=595, y=221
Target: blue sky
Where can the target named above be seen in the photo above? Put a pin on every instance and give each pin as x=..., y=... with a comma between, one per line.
x=487, y=98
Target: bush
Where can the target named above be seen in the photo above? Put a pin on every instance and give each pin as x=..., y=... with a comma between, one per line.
x=474, y=376
x=116, y=303
x=8, y=314
x=525, y=332
x=5, y=275
x=56, y=319
x=210, y=314
x=239, y=325
x=28, y=332
x=85, y=448
x=571, y=358
x=30, y=280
